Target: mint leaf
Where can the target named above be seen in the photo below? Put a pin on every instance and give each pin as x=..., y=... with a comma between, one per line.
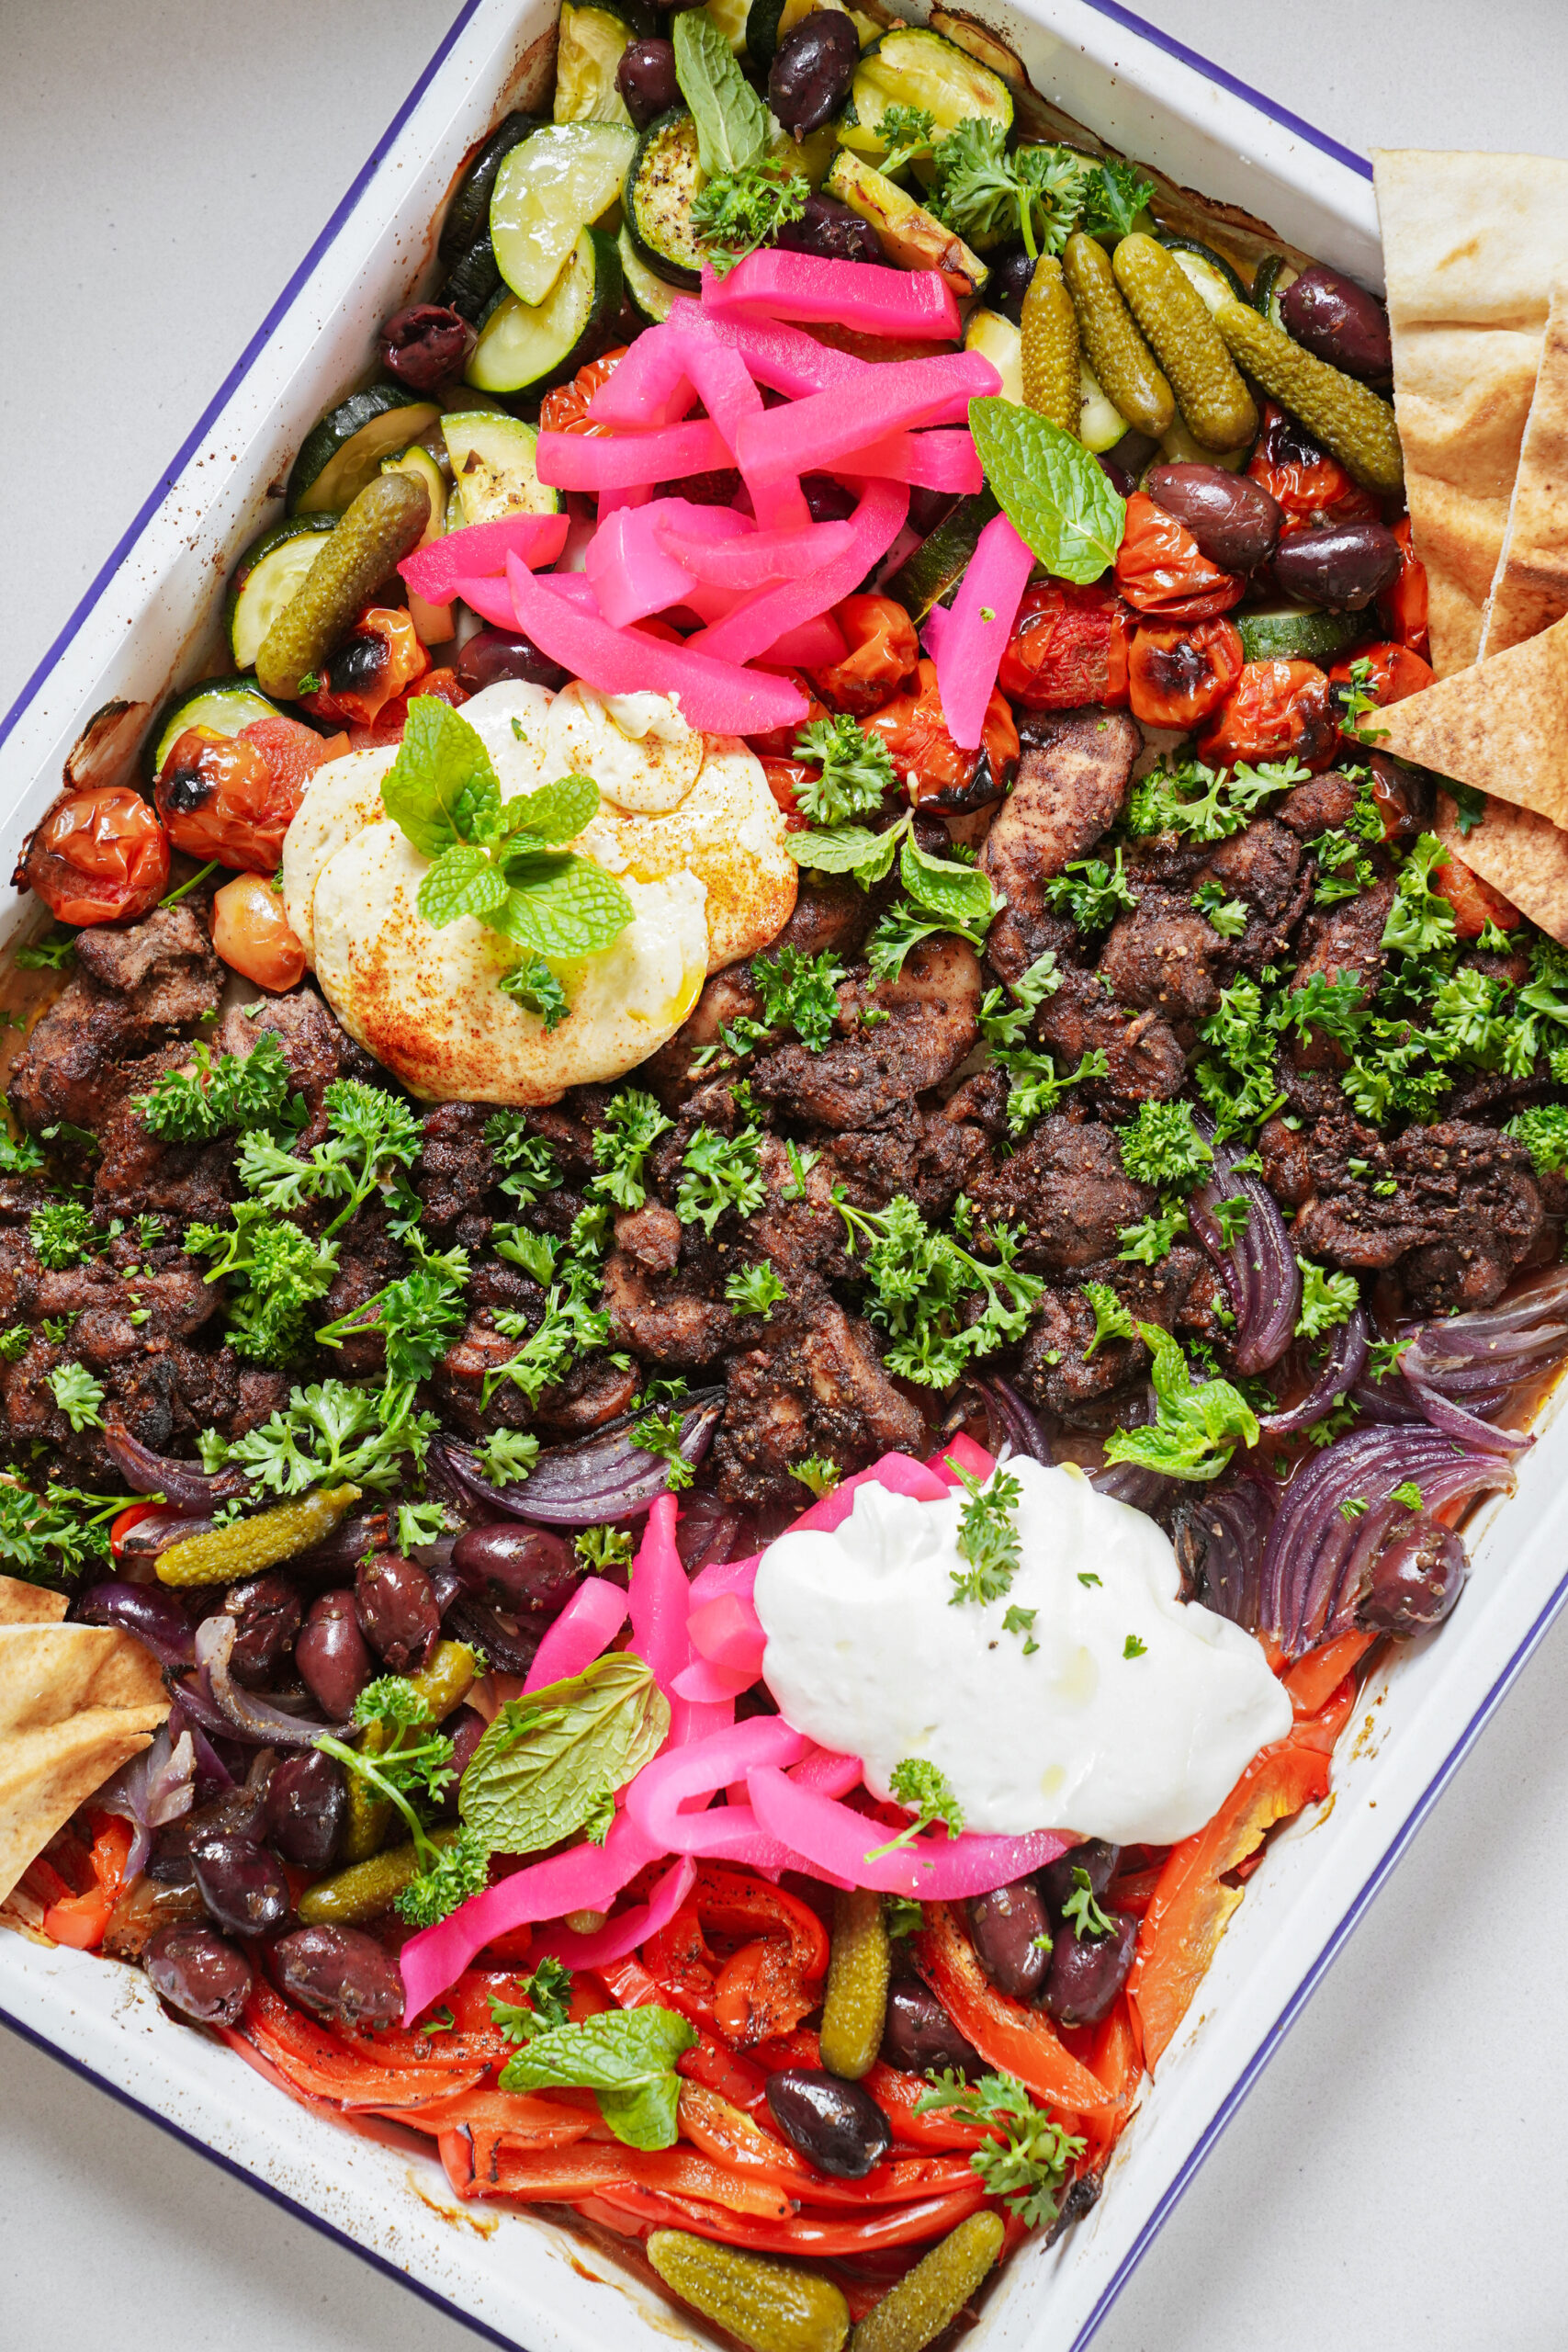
x=626, y=2056
x=541, y=1770
x=441, y=789
x=847, y=849
x=733, y=121
x=462, y=882
x=555, y=813
x=561, y=906
x=956, y=893
x=1056, y=496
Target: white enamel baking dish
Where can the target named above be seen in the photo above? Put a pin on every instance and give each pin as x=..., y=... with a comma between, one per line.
x=147, y=621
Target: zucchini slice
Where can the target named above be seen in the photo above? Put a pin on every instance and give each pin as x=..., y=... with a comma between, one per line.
x=730, y=16
x=470, y=288
x=548, y=191
x=268, y=574
x=911, y=236
x=663, y=178
x=468, y=215
x=345, y=450
x=493, y=467
x=223, y=704
x=523, y=350
x=1296, y=633
x=969, y=34
x=1101, y=424
x=929, y=573
x=912, y=67
x=590, y=45
x=433, y=623
x=1179, y=448
x=1269, y=280
x=1210, y=274
x=652, y=297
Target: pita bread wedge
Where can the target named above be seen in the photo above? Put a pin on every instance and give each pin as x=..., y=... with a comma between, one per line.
x=45, y=1775
x=48, y=1673
x=29, y=1604
x=1502, y=726
x=1531, y=590
x=1472, y=246
x=1520, y=854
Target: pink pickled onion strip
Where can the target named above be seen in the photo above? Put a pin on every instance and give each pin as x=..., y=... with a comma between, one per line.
x=622, y=461
x=728, y=1631
x=480, y=550
x=582, y=1632
x=899, y=1473
x=968, y=1456
x=631, y=570
x=492, y=599
x=655, y=1798
x=833, y=1836
x=708, y=1685
x=979, y=627
x=784, y=359
x=725, y=1575
x=661, y=1598
x=716, y=695
x=756, y=558
x=649, y=385
x=916, y=304
x=731, y=397
x=627, y=1930
x=824, y=430
x=763, y=618
x=572, y=588
x=829, y=1773
x=940, y=461
x=612, y=501
x=814, y=645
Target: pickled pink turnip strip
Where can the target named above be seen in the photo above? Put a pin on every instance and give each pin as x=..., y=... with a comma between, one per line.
x=480, y=550
x=492, y=599
x=582, y=1632
x=725, y=1575
x=627, y=1930
x=814, y=645
x=752, y=559
x=655, y=1798
x=915, y=304
x=940, y=461
x=825, y=430
x=835, y=1838
x=980, y=621
x=631, y=570
x=716, y=695
x=649, y=387
x=969, y=1456
x=763, y=618
x=623, y=460
x=782, y=357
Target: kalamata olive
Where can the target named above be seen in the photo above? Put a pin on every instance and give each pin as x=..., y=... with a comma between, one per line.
x=832, y=231
x=1088, y=1972
x=828, y=500
x=241, y=1884
x=465, y=1730
x=267, y=1611
x=1122, y=479
x=1012, y=275
x=1342, y=566
x=491, y=655
x=425, y=344
x=398, y=1615
x=920, y=2038
x=646, y=80
x=237, y=1812
x=1233, y=520
x=307, y=1806
x=340, y=1974
x=198, y=1972
x=154, y=1617
x=1012, y=1938
x=1094, y=1856
x=332, y=1653
x=812, y=69
x=1416, y=1577
x=1338, y=320
x=836, y=2126
x=509, y=1641
x=525, y=1568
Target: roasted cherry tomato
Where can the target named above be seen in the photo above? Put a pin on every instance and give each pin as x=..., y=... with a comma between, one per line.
x=1476, y=903
x=1161, y=568
x=883, y=651
x=785, y=780
x=778, y=743
x=232, y=797
x=922, y=750
x=1277, y=710
x=1403, y=604
x=1068, y=647
x=251, y=933
x=98, y=856
x=1308, y=485
x=392, y=718
x=380, y=657
x=565, y=408
x=1177, y=676
x=1391, y=672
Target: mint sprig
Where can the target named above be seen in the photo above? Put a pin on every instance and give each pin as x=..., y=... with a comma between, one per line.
x=1056, y=495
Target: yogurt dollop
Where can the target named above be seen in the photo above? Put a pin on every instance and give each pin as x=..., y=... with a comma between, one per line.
x=1130, y=1718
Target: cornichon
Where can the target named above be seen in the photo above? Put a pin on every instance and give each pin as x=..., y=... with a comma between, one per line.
x=1216, y=404
x=366, y=1890
x=1124, y=365
x=1350, y=420
x=1051, y=347
x=763, y=2303
x=854, y=2007
x=931, y=2296
x=385, y=523
x=441, y=1684
x=248, y=1545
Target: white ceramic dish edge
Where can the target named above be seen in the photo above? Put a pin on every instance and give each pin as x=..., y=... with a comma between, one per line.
x=521, y=2281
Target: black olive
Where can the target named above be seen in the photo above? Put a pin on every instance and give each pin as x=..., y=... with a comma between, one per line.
x=1012, y=1938
x=812, y=70
x=1094, y=1856
x=198, y=1972
x=836, y=2126
x=920, y=2038
x=1088, y=1972
x=340, y=1974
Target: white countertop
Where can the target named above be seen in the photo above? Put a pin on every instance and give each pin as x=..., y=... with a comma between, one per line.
x=1392, y=2181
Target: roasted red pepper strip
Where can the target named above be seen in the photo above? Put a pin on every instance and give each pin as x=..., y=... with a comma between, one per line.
x=320, y=2064
x=1476, y=903
x=79, y=1921
x=822, y=2235
x=1313, y=1681
x=1013, y=2038
x=736, y=2079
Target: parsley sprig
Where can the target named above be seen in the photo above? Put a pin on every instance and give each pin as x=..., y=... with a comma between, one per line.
x=856, y=771
x=925, y=1791
x=919, y=1282
x=409, y=1767
x=223, y=1094
x=737, y=211
x=988, y=1536
x=1027, y=2160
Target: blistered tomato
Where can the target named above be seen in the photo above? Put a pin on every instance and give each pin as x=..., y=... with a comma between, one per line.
x=1403, y=604
x=251, y=933
x=1391, y=672
x=1178, y=676
x=232, y=797
x=565, y=408
x=1161, y=568
x=883, y=651
x=392, y=718
x=922, y=750
x=1476, y=903
x=1306, y=483
x=1279, y=710
x=98, y=856
x=380, y=659
x=1068, y=647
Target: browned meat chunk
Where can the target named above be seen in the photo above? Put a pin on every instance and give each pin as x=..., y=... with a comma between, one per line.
x=1146, y=1063
x=829, y=912
x=651, y=1235
x=933, y=1011
x=1069, y=1190
x=670, y=1320
x=133, y=987
x=1283, y=1152
x=1162, y=957
x=726, y=996
x=457, y=1166
x=137, y=1175
x=163, y=967
x=1465, y=1210
x=1318, y=804
x=815, y=1386
x=1072, y=780
x=1347, y=939
x=315, y=1047
x=1057, y=1371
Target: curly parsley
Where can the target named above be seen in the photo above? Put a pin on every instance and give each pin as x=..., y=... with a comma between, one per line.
x=988, y=1536
x=1027, y=2158
x=856, y=771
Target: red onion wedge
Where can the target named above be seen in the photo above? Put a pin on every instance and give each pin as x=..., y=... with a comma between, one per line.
x=1012, y=1419
x=1220, y=1534
x=1262, y=1280
x=148, y=1611
x=152, y=1790
x=599, y=1480
x=240, y=1710
x=183, y=1484
x=1335, y=1376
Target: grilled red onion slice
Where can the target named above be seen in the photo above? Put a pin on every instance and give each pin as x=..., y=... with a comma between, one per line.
x=1011, y=1419
x=1263, y=1283
x=212, y=1775
x=598, y=1480
x=153, y=1615
x=509, y=1645
x=1337, y=1374
x=1219, y=1535
x=241, y=1711
x=152, y=1790
x=183, y=1484
x=1317, y=1560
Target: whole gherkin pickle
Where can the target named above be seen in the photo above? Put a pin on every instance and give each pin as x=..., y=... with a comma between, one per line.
x=1348, y=417
x=763, y=2303
x=1215, y=404
x=1124, y=367
x=384, y=523
x=854, y=2007
x=1051, y=385
x=248, y=1545
x=929, y=2296
x=366, y=1891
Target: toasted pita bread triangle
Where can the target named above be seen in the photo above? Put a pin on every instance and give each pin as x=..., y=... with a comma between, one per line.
x=1520, y=854
x=1531, y=590
x=45, y=1775
x=1472, y=246
x=29, y=1604
x=48, y=1673
x=1502, y=726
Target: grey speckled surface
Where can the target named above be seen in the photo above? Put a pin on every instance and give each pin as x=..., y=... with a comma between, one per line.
x=1395, y=2180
